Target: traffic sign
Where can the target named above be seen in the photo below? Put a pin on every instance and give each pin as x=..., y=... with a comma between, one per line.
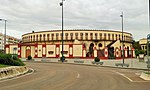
x=148, y=37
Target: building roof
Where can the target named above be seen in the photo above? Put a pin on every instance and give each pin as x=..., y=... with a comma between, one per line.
x=7, y=36
x=143, y=39
x=77, y=30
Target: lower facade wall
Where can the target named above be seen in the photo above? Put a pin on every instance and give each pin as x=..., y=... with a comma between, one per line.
x=54, y=51
x=49, y=50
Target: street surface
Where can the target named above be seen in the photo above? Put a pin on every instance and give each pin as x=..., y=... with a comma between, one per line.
x=57, y=76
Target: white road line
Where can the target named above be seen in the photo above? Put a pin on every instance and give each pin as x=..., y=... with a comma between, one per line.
x=128, y=77
x=140, y=81
x=125, y=76
x=78, y=76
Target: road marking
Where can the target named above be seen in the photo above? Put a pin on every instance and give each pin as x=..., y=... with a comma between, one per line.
x=125, y=76
x=128, y=77
x=78, y=76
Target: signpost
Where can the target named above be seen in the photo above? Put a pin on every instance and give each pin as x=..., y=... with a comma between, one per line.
x=148, y=42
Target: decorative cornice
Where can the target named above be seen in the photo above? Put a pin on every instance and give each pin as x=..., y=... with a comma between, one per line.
x=77, y=30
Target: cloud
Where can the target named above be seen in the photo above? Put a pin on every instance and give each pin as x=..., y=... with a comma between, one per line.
x=27, y=15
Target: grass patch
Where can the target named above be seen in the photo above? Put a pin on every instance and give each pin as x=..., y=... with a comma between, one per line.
x=2, y=65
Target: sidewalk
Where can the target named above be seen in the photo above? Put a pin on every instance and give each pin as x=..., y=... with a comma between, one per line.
x=133, y=62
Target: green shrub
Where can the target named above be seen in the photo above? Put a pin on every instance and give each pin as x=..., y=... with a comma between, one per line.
x=8, y=59
x=137, y=52
x=29, y=57
x=18, y=63
x=15, y=57
x=1, y=51
x=96, y=59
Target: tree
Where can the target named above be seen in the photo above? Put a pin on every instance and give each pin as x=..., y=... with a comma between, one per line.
x=1, y=51
x=136, y=45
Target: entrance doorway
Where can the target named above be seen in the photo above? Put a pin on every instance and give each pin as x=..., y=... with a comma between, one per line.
x=28, y=51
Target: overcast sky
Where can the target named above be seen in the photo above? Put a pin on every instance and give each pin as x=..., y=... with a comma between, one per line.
x=25, y=16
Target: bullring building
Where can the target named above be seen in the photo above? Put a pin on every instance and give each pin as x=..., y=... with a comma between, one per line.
x=80, y=43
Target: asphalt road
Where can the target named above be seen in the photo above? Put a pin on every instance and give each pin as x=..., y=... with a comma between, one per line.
x=53, y=76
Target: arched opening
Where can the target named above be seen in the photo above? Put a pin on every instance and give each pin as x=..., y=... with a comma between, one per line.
x=90, y=53
x=15, y=50
x=100, y=45
x=28, y=51
x=100, y=52
x=111, y=53
x=91, y=45
x=128, y=51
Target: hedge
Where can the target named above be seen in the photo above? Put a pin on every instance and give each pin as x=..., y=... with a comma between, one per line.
x=8, y=59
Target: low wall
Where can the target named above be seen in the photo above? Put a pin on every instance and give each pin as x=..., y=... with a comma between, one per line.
x=12, y=71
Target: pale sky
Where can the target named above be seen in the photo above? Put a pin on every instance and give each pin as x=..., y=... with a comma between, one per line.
x=25, y=16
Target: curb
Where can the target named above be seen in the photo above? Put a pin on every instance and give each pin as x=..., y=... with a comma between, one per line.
x=12, y=71
x=145, y=76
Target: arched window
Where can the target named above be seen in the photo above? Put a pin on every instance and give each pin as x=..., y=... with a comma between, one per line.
x=91, y=36
x=116, y=37
x=66, y=34
x=81, y=35
x=104, y=36
x=100, y=36
x=33, y=37
x=57, y=35
x=96, y=36
x=76, y=35
x=44, y=37
x=112, y=36
x=40, y=37
x=36, y=37
x=108, y=36
x=119, y=37
x=86, y=36
x=28, y=38
x=52, y=36
x=48, y=37
x=71, y=35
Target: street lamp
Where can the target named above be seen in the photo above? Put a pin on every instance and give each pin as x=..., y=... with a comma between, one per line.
x=62, y=52
x=4, y=34
x=122, y=39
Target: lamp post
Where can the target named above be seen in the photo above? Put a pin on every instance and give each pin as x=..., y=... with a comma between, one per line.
x=62, y=52
x=122, y=38
x=4, y=34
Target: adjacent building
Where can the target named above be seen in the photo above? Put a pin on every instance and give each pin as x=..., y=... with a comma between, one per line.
x=143, y=43
x=9, y=40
